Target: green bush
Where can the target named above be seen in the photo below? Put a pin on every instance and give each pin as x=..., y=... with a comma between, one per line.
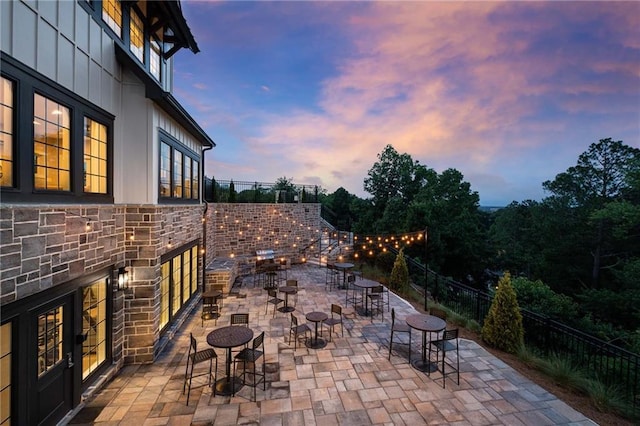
x=399, y=279
x=538, y=297
x=502, y=327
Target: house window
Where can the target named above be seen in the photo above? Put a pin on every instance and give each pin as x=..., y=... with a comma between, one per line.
x=154, y=58
x=50, y=326
x=112, y=15
x=179, y=171
x=136, y=36
x=6, y=132
x=165, y=170
x=177, y=174
x=69, y=158
x=178, y=282
x=94, y=326
x=5, y=378
x=95, y=157
x=195, y=189
x=187, y=178
x=51, y=145
x=165, y=286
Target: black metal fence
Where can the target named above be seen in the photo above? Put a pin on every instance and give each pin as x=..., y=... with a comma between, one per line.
x=230, y=191
x=610, y=364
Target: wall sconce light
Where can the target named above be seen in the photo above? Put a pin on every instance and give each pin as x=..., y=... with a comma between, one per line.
x=123, y=279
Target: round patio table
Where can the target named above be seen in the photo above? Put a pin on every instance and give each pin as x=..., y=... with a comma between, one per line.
x=426, y=324
x=344, y=267
x=365, y=285
x=287, y=290
x=229, y=337
x=316, y=342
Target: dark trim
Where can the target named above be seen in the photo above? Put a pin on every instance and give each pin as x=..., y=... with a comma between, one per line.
x=175, y=145
x=20, y=313
x=28, y=82
x=168, y=257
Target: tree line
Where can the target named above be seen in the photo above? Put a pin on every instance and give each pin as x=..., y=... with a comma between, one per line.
x=574, y=255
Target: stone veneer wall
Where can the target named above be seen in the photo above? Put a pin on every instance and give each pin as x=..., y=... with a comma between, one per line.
x=44, y=246
x=156, y=230
x=239, y=229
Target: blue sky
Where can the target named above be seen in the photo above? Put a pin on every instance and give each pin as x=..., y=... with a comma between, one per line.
x=508, y=93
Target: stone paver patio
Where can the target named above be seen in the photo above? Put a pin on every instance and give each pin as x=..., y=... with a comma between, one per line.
x=349, y=382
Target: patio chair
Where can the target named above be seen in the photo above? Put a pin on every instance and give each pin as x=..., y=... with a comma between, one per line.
x=251, y=356
x=273, y=299
x=210, y=309
x=447, y=344
x=297, y=330
x=356, y=292
x=399, y=327
x=282, y=270
x=240, y=319
x=332, y=276
x=195, y=357
x=376, y=301
x=334, y=320
x=293, y=283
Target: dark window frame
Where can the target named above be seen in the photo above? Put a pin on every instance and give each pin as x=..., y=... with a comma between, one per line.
x=187, y=154
x=182, y=251
x=28, y=82
x=94, y=9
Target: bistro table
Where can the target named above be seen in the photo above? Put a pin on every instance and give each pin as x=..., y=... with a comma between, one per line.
x=287, y=290
x=426, y=324
x=365, y=285
x=229, y=337
x=344, y=267
x=317, y=317
x=212, y=294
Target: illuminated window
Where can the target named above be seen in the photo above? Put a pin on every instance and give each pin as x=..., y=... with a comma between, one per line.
x=69, y=156
x=51, y=145
x=165, y=170
x=5, y=377
x=178, y=283
x=196, y=178
x=177, y=174
x=154, y=59
x=95, y=157
x=194, y=269
x=186, y=278
x=112, y=15
x=50, y=337
x=187, y=177
x=179, y=171
x=6, y=132
x=136, y=36
x=165, y=286
x=94, y=324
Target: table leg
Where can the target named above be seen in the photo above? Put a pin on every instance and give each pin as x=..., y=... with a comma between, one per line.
x=423, y=364
x=316, y=342
x=228, y=385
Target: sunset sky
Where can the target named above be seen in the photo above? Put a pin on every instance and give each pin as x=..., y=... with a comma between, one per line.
x=508, y=93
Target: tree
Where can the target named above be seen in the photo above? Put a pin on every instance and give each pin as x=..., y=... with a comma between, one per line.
x=606, y=172
x=399, y=279
x=232, y=192
x=394, y=175
x=502, y=327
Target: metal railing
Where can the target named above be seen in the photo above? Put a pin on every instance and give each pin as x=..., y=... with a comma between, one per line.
x=230, y=191
x=610, y=364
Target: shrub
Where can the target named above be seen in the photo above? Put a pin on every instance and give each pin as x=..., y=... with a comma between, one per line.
x=503, y=325
x=399, y=279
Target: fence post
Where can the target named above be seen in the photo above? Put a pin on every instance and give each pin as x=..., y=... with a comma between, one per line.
x=477, y=293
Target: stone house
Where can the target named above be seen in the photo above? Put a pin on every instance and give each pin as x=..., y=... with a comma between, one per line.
x=102, y=219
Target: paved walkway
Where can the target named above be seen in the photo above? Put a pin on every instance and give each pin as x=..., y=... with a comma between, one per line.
x=349, y=382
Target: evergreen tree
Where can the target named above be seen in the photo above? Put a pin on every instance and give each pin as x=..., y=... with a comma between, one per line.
x=502, y=327
x=399, y=279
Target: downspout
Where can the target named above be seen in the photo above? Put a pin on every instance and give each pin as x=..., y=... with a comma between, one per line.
x=204, y=221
